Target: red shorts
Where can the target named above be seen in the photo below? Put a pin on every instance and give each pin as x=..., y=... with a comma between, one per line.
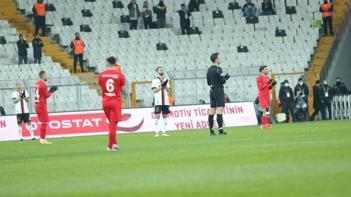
x=113, y=110
x=265, y=103
x=42, y=112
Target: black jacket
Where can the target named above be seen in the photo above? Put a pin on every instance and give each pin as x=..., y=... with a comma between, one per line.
x=215, y=77
x=286, y=95
x=318, y=97
x=182, y=15
x=303, y=89
x=340, y=89
x=37, y=44
x=2, y=111
x=160, y=14
x=22, y=47
x=327, y=91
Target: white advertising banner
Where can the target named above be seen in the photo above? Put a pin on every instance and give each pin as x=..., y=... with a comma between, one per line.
x=181, y=118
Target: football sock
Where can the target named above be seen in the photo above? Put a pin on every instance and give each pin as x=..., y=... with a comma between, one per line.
x=164, y=125
x=31, y=131
x=20, y=132
x=112, y=134
x=156, y=125
x=220, y=122
x=43, y=131
x=210, y=122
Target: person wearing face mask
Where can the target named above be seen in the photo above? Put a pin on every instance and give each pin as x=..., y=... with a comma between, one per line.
x=147, y=15
x=326, y=8
x=339, y=88
x=22, y=46
x=184, y=15
x=78, y=47
x=160, y=10
x=328, y=98
x=301, y=93
x=134, y=14
x=318, y=101
x=286, y=98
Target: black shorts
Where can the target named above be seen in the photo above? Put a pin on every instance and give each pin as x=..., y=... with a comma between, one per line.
x=23, y=118
x=162, y=108
x=217, y=97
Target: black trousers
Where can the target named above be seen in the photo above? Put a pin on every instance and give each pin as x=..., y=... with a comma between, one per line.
x=185, y=26
x=39, y=24
x=288, y=108
x=328, y=23
x=37, y=60
x=75, y=59
x=328, y=107
x=133, y=24
x=318, y=109
x=147, y=24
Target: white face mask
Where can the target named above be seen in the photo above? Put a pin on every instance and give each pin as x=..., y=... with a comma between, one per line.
x=301, y=83
x=286, y=85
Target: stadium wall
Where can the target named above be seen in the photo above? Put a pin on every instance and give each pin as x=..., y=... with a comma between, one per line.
x=182, y=118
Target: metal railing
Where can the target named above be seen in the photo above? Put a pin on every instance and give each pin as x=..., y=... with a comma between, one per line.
x=341, y=107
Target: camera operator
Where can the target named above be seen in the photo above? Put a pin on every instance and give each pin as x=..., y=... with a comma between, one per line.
x=216, y=79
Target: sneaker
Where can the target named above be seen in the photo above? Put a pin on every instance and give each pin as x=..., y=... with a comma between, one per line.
x=165, y=135
x=111, y=149
x=157, y=135
x=45, y=142
x=263, y=126
x=33, y=139
x=115, y=146
x=268, y=126
x=212, y=133
x=21, y=140
x=222, y=133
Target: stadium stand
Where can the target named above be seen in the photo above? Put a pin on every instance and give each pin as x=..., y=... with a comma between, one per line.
x=185, y=54
x=74, y=95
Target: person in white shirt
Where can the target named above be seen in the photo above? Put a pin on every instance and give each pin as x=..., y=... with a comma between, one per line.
x=161, y=101
x=20, y=98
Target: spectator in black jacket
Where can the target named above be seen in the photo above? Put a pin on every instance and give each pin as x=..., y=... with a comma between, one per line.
x=147, y=15
x=134, y=14
x=37, y=45
x=267, y=7
x=301, y=93
x=2, y=111
x=328, y=97
x=22, y=47
x=318, y=101
x=339, y=88
x=184, y=15
x=286, y=98
x=160, y=10
x=194, y=5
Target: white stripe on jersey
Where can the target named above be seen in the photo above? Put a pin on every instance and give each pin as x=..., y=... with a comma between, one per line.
x=156, y=83
x=18, y=105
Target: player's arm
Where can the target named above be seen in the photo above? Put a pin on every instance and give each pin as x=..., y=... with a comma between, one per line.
x=122, y=82
x=261, y=83
x=155, y=87
x=222, y=77
x=26, y=96
x=15, y=99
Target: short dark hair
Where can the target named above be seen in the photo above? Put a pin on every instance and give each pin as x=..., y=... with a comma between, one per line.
x=318, y=81
x=300, y=79
x=262, y=67
x=213, y=57
x=111, y=60
x=158, y=67
x=41, y=73
x=182, y=5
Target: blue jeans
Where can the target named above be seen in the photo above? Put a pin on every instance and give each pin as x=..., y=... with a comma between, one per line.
x=22, y=59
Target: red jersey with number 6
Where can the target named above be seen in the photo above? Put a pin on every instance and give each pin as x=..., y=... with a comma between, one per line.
x=41, y=93
x=111, y=83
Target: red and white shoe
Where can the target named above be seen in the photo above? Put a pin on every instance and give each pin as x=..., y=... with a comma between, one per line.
x=114, y=148
x=268, y=126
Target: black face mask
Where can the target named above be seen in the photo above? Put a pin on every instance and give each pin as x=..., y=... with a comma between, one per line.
x=77, y=37
x=338, y=82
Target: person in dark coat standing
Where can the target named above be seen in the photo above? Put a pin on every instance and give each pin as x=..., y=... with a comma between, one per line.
x=184, y=15
x=286, y=98
x=301, y=93
x=318, y=101
x=134, y=14
x=160, y=10
x=340, y=88
x=22, y=46
x=37, y=45
x=147, y=15
x=2, y=111
x=328, y=97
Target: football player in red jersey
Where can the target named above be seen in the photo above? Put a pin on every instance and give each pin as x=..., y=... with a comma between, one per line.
x=41, y=94
x=264, y=85
x=112, y=84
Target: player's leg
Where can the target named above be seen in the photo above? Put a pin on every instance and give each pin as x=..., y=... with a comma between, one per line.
x=19, y=123
x=165, y=112
x=266, y=113
x=211, y=113
x=43, y=117
x=219, y=111
x=29, y=126
x=157, y=113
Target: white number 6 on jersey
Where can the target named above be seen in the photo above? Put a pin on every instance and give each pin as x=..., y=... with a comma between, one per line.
x=109, y=85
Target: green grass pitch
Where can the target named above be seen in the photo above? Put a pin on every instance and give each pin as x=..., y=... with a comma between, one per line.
x=303, y=159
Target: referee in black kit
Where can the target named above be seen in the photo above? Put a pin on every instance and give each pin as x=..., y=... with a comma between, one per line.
x=216, y=79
